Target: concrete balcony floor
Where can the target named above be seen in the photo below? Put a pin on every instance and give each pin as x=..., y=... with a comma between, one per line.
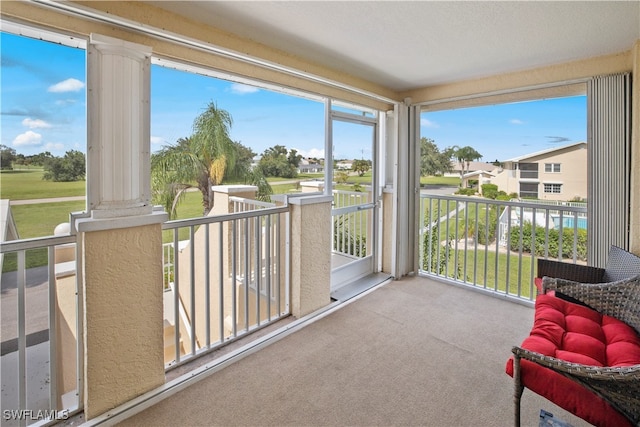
x=412, y=352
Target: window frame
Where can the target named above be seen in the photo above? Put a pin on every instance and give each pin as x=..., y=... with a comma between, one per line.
x=552, y=187
x=552, y=168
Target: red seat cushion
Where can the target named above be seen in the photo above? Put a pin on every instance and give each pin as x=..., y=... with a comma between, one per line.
x=576, y=334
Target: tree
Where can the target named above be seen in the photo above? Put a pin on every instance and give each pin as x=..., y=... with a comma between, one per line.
x=245, y=171
x=7, y=157
x=39, y=159
x=278, y=161
x=294, y=158
x=254, y=176
x=432, y=161
x=361, y=166
x=466, y=155
x=203, y=158
x=244, y=161
x=71, y=167
x=341, y=177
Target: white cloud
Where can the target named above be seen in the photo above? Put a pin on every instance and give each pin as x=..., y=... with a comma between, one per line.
x=312, y=153
x=429, y=124
x=516, y=122
x=54, y=146
x=27, y=138
x=35, y=123
x=240, y=89
x=63, y=102
x=69, y=85
x=158, y=140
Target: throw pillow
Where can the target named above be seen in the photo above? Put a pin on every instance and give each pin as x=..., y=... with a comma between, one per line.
x=621, y=265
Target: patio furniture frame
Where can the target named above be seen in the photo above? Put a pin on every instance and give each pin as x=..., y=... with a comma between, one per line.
x=618, y=386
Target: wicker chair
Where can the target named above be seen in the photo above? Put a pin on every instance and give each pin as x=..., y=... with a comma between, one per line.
x=618, y=386
x=621, y=264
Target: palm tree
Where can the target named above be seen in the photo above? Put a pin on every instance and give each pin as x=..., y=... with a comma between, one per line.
x=202, y=158
x=466, y=155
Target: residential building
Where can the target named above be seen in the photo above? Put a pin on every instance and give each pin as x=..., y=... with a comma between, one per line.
x=383, y=59
x=477, y=179
x=310, y=166
x=344, y=165
x=558, y=173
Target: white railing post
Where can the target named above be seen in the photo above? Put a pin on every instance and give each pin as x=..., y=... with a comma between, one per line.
x=310, y=253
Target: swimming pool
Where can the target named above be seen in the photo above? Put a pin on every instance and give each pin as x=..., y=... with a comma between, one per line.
x=568, y=222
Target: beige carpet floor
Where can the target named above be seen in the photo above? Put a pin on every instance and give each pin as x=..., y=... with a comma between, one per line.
x=412, y=353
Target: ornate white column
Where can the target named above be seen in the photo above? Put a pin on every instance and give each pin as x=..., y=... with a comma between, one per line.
x=118, y=152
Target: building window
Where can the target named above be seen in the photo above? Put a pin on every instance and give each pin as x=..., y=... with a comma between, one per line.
x=553, y=188
x=552, y=167
x=528, y=190
x=528, y=170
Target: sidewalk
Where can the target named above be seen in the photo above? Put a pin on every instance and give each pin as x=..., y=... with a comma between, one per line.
x=51, y=200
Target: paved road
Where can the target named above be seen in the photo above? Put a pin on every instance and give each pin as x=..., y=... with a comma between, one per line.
x=34, y=277
x=443, y=190
x=37, y=303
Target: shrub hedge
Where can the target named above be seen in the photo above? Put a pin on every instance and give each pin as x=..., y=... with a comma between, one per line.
x=541, y=246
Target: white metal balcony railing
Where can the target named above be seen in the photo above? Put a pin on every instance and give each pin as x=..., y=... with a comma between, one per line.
x=42, y=376
x=38, y=304
x=225, y=276
x=350, y=228
x=493, y=245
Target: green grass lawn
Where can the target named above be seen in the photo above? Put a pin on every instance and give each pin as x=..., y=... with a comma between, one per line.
x=496, y=276
x=473, y=272
x=440, y=180
x=190, y=206
x=283, y=188
x=28, y=184
x=424, y=180
x=300, y=177
x=41, y=219
x=357, y=179
x=37, y=221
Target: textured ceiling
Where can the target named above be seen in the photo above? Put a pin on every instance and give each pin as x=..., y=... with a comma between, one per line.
x=410, y=44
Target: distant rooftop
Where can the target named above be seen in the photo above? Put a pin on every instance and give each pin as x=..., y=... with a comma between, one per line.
x=547, y=151
x=473, y=166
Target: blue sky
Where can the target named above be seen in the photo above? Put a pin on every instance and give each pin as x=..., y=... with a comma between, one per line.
x=509, y=130
x=43, y=103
